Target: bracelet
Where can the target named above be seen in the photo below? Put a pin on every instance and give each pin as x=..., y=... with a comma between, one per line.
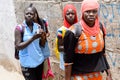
x=61, y=47
x=68, y=64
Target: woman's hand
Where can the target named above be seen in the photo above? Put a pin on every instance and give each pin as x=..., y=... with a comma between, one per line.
x=68, y=70
x=109, y=76
x=47, y=34
x=43, y=39
x=39, y=31
x=38, y=34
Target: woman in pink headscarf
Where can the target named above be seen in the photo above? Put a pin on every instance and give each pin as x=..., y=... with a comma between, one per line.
x=85, y=54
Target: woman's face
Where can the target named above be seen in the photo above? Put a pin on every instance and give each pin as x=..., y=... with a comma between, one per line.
x=29, y=14
x=70, y=16
x=90, y=16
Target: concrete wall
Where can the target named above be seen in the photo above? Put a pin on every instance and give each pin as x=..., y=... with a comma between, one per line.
x=7, y=25
x=110, y=14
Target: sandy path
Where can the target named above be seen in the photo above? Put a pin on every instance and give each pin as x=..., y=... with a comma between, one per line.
x=9, y=75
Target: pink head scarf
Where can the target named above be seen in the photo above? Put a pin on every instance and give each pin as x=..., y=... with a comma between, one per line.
x=65, y=22
x=89, y=5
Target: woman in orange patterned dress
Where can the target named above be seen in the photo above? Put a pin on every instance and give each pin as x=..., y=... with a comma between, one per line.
x=85, y=57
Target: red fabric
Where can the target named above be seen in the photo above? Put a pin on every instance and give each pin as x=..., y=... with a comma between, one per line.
x=46, y=24
x=65, y=22
x=91, y=30
x=47, y=72
x=89, y=5
x=18, y=28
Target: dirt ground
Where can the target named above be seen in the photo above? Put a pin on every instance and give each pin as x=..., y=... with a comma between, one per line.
x=8, y=71
x=9, y=75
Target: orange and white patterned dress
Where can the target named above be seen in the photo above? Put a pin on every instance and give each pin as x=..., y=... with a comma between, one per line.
x=87, y=46
x=90, y=76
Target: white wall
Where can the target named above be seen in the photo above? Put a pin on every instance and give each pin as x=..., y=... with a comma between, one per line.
x=7, y=25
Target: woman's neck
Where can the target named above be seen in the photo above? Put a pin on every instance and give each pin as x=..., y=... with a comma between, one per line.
x=36, y=20
x=90, y=24
x=29, y=23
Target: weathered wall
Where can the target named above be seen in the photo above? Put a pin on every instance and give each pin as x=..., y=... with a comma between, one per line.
x=52, y=10
x=8, y=64
x=7, y=25
x=110, y=14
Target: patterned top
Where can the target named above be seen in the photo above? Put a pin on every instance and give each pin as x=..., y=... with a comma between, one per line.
x=61, y=32
x=85, y=53
x=60, y=35
x=90, y=44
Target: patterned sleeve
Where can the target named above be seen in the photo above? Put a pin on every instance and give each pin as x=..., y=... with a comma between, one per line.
x=69, y=46
x=59, y=34
x=46, y=22
x=19, y=28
